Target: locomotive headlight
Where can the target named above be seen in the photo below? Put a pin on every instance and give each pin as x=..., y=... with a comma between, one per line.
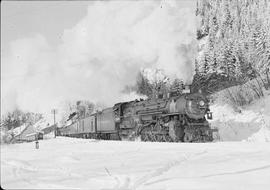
x=201, y=103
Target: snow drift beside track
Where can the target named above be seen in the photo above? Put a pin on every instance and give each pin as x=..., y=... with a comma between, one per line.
x=252, y=124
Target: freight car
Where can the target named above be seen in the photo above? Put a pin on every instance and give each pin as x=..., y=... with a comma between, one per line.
x=177, y=116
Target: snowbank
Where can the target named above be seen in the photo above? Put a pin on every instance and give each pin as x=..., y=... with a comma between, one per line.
x=235, y=126
x=263, y=135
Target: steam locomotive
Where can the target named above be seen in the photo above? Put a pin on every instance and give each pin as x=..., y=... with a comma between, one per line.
x=177, y=116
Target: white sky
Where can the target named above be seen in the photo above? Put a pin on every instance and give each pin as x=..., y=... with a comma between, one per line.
x=21, y=19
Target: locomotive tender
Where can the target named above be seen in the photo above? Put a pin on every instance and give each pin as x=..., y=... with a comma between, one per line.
x=178, y=116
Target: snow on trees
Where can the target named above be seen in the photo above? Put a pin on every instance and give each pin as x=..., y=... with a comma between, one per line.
x=236, y=35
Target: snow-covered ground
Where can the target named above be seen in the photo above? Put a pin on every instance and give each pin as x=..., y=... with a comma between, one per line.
x=66, y=163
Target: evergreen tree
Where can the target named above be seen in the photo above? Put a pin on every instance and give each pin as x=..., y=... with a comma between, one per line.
x=237, y=38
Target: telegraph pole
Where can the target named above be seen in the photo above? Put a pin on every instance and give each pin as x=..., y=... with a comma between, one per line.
x=54, y=111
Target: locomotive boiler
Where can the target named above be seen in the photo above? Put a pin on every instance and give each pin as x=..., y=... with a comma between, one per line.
x=177, y=116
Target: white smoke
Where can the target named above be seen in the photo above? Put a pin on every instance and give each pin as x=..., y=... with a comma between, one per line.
x=100, y=55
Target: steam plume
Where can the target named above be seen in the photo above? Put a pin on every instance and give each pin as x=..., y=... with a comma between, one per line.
x=100, y=55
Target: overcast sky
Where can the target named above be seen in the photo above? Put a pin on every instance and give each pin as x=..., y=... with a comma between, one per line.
x=21, y=19
x=58, y=49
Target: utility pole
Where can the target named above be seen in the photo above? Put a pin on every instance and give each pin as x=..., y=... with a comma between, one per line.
x=54, y=111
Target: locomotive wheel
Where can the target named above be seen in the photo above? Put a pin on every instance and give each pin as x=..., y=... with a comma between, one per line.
x=160, y=138
x=163, y=138
x=143, y=138
x=187, y=137
x=149, y=138
x=154, y=138
x=168, y=138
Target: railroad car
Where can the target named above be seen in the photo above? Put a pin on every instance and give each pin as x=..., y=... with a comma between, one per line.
x=100, y=125
x=177, y=116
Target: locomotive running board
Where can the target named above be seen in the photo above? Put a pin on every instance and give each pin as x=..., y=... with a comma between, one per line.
x=168, y=114
x=174, y=113
x=149, y=113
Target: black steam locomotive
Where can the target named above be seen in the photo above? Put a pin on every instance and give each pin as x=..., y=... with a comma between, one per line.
x=177, y=116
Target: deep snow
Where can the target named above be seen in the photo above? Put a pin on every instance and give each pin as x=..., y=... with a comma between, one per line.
x=66, y=163
x=252, y=124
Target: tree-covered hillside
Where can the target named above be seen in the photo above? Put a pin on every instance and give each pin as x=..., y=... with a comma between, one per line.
x=234, y=42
